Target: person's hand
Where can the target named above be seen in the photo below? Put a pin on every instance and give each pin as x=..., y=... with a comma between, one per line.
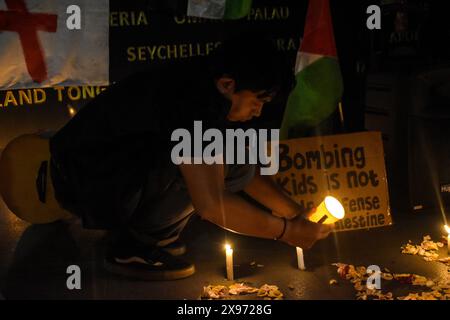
x=307, y=214
x=286, y=216
x=300, y=212
x=303, y=233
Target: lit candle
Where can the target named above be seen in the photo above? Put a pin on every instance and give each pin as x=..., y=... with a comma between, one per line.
x=447, y=228
x=300, y=259
x=229, y=262
x=328, y=212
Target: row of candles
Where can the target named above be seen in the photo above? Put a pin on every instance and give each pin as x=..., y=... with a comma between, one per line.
x=329, y=211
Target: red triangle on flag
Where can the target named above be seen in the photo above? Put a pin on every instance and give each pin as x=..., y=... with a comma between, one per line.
x=318, y=37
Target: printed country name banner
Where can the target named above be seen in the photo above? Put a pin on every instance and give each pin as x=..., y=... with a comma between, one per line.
x=141, y=36
x=349, y=167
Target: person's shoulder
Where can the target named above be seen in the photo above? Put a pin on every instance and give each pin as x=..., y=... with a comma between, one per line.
x=140, y=77
x=172, y=72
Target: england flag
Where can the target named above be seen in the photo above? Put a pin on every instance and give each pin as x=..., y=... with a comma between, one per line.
x=45, y=43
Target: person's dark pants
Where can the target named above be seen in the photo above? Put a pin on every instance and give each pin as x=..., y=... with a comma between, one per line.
x=160, y=221
x=155, y=215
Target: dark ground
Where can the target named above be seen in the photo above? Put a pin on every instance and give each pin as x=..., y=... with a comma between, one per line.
x=34, y=259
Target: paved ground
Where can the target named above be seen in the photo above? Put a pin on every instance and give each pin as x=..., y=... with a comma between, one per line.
x=34, y=259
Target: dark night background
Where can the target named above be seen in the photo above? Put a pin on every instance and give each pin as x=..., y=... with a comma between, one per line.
x=396, y=80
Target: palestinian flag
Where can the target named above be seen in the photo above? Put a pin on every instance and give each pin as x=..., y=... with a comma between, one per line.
x=319, y=83
x=219, y=9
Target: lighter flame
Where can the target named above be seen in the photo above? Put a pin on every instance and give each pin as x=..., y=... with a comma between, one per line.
x=447, y=228
x=334, y=207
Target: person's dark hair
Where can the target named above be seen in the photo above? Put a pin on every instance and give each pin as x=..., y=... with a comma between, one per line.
x=254, y=63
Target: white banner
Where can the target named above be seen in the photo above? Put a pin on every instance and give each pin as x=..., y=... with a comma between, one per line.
x=43, y=45
x=211, y=9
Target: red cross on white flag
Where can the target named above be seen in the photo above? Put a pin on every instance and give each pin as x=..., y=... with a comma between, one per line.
x=37, y=48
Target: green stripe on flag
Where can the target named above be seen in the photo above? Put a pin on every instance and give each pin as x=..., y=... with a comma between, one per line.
x=236, y=9
x=315, y=97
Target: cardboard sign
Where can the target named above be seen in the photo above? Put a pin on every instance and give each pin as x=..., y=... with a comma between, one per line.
x=349, y=167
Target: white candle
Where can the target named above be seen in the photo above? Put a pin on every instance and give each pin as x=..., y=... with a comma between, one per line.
x=447, y=228
x=300, y=260
x=229, y=262
x=448, y=244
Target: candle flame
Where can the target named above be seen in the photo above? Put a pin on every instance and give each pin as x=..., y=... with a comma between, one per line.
x=72, y=111
x=227, y=247
x=447, y=228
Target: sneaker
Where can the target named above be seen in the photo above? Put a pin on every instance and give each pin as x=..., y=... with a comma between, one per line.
x=147, y=264
x=176, y=248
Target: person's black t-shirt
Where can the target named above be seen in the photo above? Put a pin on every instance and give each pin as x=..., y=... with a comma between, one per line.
x=102, y=157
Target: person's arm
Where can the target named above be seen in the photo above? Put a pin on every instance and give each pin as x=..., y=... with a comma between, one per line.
x=264, y=190
x=213, y=203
